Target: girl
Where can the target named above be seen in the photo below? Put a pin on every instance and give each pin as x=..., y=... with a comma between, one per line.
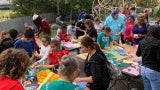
x=55, y=54
x=128, y=36
x=13, y=66
x=4, y=34
x=5, y=40
x=98, y=25
x=62, y=33
x=45, y=49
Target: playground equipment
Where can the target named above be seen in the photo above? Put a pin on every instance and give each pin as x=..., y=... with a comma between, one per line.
x=102, y=8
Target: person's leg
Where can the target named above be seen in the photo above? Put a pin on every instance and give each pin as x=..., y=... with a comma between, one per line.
x=146, y=82
x=154, y=78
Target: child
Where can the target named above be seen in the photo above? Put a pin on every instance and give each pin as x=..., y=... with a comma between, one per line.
x=5, y=40
x=91, y=31
x=45, y=49
x=26, y=43
x=55, y=55
x=62, y=34
x=71, y=30
x=157, y=25
x=98, y=25
x=105, y=38
x=4, y=34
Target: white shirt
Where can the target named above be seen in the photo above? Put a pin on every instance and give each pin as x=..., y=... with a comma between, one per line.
x=71, y=30
x=44, y=52
x=98, y=27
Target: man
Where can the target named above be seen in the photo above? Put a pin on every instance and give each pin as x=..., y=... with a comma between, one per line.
x=116, y=24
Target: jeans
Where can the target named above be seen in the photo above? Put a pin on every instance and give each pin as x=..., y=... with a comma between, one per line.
x=151, y=78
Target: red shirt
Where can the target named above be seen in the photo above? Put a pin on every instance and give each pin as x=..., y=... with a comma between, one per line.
x=127, y=32
x=55, y=56
x=10, y=84
x=63, y=36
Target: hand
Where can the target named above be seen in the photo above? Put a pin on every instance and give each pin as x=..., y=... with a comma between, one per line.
x=38, y=66
x=35, y=64
x=119, y=33
x=77, y=80
x=136, y=36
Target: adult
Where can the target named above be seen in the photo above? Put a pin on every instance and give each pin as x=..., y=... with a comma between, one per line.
x=41, y=24
x=116, y=24
x=68, y=71
x=146, y=14
x=58, y=20
x=97, y=76
x=13, y=66
x=91, y=31
x=149, y=49
x=140, y=28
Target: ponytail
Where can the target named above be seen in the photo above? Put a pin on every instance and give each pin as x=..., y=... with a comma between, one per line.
x=96, y=46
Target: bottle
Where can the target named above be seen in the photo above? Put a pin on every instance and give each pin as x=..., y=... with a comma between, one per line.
x=111, y=45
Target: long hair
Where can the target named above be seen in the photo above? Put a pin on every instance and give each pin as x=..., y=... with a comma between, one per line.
x=88, y=42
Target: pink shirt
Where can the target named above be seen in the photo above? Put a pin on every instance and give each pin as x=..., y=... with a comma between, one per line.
x=127, y=32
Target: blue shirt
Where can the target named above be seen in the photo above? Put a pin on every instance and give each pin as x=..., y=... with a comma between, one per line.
x=104, y=40
x=27, y=46
x=137, y=30
x=116, y=25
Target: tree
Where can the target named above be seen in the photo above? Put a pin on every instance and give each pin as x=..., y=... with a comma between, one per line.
x=28, y=7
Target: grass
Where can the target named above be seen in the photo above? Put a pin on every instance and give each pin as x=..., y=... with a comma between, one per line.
x=53, y=34
x=5, y=15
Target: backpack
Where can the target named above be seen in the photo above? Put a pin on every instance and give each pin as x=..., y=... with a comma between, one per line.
x=113, y=71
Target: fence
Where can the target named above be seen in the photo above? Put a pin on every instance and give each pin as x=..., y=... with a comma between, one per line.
x=18, y=23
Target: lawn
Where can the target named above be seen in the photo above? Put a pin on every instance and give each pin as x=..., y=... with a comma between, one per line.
x=5, y=15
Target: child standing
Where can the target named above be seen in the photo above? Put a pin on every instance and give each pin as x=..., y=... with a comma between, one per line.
x=45, y=49
x=26, y=43
x=105, y=38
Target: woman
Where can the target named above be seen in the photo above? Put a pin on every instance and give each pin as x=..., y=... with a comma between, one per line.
x=68, y=71
x=128, y=37
x=149, y=49
x=97, y=76
x=13, y=66
x=91, y=31
x=41, y=24
x=140, y=28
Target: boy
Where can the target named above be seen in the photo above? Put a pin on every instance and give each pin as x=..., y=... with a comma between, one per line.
x=26, y=42
x=105, y=38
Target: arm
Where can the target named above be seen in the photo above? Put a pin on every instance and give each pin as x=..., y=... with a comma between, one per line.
x=45, y=55
x=138, y=53
x=122, y=27
x=45, y=66
x=158, y=53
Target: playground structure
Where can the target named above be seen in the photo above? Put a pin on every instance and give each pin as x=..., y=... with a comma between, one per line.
x=104, y=7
